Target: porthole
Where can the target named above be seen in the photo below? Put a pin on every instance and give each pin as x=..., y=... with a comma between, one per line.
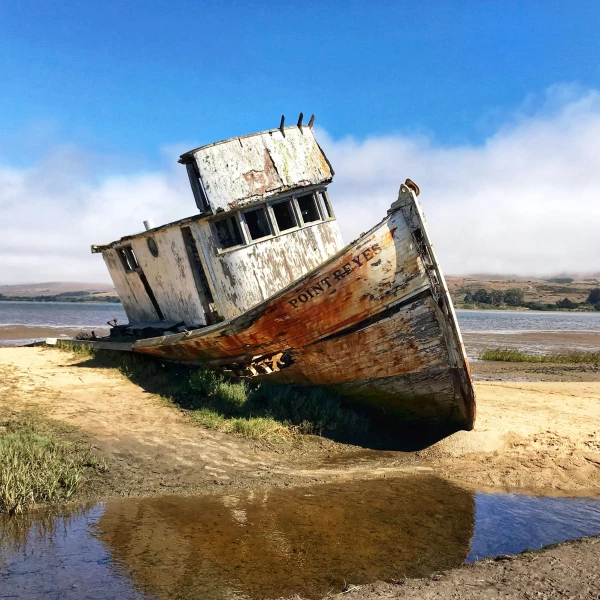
x=152, y=247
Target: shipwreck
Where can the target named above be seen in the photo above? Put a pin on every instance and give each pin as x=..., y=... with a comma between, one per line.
x=259, y=284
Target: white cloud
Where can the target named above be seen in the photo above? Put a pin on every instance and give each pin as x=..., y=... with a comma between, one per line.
x=51, y=213
x=526, y=201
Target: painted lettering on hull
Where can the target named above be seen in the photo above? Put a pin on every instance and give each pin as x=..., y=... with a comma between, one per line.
x=324, y=284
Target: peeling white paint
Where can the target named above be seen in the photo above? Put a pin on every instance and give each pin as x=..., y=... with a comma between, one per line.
x=250, y=274
x=170, y=276
x=234, y=173
x=136, y=302
x=244, y=170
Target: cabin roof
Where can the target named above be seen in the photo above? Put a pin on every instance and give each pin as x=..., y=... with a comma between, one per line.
x=187, y=156
x=97, y=248
x=249, y=169
x=246, y=169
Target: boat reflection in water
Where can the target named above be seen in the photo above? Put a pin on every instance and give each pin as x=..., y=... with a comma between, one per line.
x=274, y=543
x=280, y=542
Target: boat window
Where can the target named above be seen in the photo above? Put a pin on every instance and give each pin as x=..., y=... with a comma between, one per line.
x=152, y=247
x=128, y=259
x=228, y=232
x=326, y=204
x=258, y=223
x=131, y=258
x=308, y=208
x=284, y=215
x=123, y=258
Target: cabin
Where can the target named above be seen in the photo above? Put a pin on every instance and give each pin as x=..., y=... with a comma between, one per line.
x=264, y=219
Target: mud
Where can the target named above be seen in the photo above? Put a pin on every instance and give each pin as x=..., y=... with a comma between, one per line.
x=535, y=433
x=264, y=544
x=571, y=570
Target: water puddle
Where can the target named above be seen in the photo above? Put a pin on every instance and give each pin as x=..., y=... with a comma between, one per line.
x=275, y=543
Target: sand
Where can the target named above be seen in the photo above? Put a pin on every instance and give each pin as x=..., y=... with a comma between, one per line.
x=18, y=335
x=540, y=436
x=536, y=436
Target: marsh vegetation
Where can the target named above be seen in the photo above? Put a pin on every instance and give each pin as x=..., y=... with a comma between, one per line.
x=512, y=355
x=38, y=466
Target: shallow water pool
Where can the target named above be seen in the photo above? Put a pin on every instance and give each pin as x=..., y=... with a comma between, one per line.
x=277, y=542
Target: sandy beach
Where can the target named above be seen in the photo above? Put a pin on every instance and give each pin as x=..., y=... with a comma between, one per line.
x=18, y=335
x=530, y=435
x=533, y=435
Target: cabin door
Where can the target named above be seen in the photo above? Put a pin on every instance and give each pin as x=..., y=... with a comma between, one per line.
x=131, y=265
x=204, y=292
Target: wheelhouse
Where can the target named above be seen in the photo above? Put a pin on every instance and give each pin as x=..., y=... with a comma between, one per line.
x=264, y=220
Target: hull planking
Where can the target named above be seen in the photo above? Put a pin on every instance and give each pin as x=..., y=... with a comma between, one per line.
x=374, y=323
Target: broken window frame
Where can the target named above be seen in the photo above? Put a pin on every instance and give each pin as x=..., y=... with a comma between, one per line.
x=325, y=203
x=241, y=229
x=317, y=205
x=128, y=259
x=197, y=186
x=274, y=221
x=322, y=202
x=262, y=206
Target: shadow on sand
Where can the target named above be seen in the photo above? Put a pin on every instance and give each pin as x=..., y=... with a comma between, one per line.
x=309, y=410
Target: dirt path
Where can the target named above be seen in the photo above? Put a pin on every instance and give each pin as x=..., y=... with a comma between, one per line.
x=542, y=436
x=571, y=570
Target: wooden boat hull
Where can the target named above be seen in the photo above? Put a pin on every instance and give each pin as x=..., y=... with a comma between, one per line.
x=375, y=323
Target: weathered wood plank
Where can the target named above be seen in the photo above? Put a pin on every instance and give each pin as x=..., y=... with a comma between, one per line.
x=170, y=276
x=136, y=303
x=244, y=170
x=367, y=322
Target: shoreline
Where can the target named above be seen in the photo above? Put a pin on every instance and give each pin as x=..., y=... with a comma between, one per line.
x=14, y=336
x=537, y=432
x=38, y=300
x=536, y=342
x=570, y=569
x=532, y=437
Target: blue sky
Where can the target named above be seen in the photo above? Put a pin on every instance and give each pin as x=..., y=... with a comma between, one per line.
x=492, y=107
x=129, y=77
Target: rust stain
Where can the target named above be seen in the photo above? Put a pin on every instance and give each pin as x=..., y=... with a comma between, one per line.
x=343, y=326
x=374, y=322
x=263, y=181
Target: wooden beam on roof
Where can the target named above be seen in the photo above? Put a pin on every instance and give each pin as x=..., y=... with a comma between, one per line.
x=282, y=125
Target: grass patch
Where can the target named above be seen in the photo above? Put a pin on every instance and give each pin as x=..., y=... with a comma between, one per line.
x=508, y=355
x=216, y=401
x=35, y=467
x=253, y=427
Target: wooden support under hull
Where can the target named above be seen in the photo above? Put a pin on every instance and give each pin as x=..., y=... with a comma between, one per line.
x=375, y=323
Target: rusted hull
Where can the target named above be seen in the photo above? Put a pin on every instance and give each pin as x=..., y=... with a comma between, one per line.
x=374, y=323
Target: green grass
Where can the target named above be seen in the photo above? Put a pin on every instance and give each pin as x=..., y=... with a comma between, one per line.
x=259, y=428
x=37, y=468
x=219, y=402
x=508, y=355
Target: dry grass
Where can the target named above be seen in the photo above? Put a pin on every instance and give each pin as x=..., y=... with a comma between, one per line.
x=40, y=460
x=37, y=467
x=509, y=355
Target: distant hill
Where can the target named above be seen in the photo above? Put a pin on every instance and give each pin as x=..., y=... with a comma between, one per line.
x=536, y=289
x=55, y=288
x=60, y=291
